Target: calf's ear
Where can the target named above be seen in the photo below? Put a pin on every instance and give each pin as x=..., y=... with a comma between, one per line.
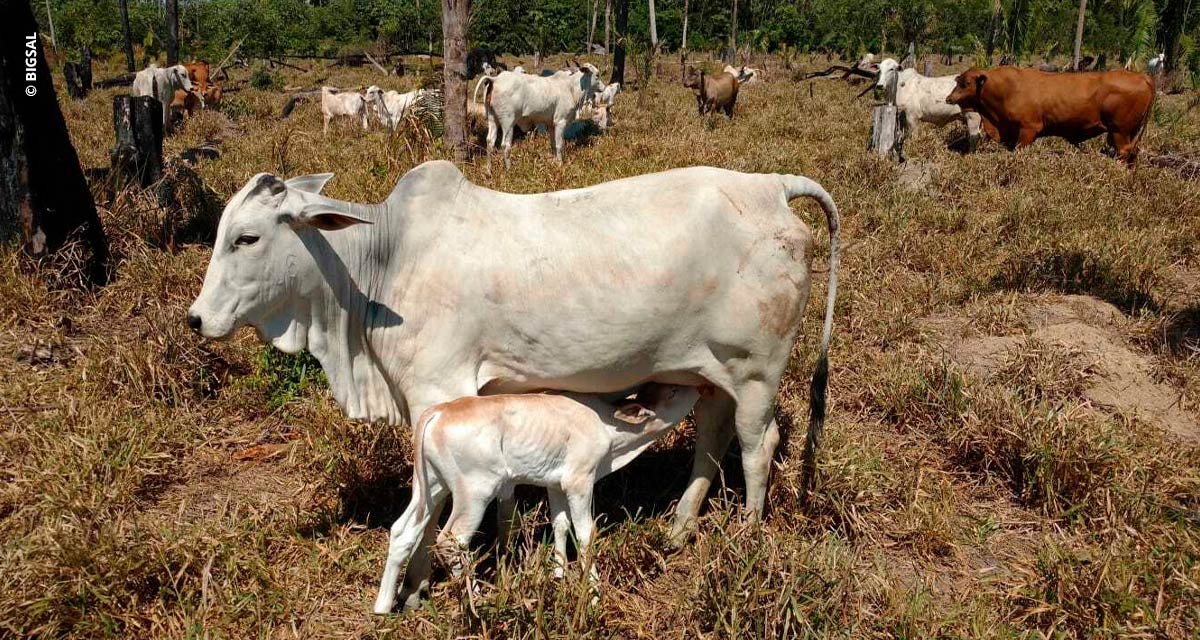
x=326, y=219
x=312, y=183
x=633, y=413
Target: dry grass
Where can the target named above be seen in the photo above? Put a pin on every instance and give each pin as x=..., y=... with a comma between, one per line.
x=156, y=485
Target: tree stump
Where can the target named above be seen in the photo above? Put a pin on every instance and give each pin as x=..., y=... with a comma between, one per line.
x=888, y=126
x=887, y=132
x=78, y=75
x=928, y=70
x=137, y=156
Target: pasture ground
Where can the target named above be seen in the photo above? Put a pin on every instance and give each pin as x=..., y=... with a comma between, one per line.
x=1011, y=451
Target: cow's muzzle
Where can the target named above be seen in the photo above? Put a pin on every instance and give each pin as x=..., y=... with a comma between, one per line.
x=195, y=322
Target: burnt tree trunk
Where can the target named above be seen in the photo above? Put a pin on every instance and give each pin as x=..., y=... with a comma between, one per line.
x=993, y=31
x=1079, y=35
x=137, y=156
x=618, y=69
x=127, y=36
x=172, y=32
x=44, y=198
x=454, y=38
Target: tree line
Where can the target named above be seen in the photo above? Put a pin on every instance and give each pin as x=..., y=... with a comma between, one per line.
x=1023, y=30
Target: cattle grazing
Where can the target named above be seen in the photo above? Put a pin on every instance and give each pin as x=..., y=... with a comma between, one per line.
x=526, y=101
x=391, y=106
x=1023, y=105
x=447, y=289
x=211, y=97
x=923, y=99
x=336, y=103
x=866, y=62
x=161, y=84
x=715, y=92
x=480, y=448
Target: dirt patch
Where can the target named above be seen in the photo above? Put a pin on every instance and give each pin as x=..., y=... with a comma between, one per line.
x=1120, y=379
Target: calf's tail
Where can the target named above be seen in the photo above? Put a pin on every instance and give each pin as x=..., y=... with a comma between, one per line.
x=487, y=95
x=420, y=474
x=796, y=186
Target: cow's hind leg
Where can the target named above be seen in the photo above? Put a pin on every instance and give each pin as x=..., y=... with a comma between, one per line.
x=714, y=430
x=758, y=435
x=1124, y=147
x=506, y=144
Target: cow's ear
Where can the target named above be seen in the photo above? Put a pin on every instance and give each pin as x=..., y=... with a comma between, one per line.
x=326, y=219
x=979, y=81
x=633, y=413
x=312, y=183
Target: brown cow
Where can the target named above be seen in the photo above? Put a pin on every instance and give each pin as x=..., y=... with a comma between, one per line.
x=1025, y=104
x=719, y=91
x=185, y=103
x=198, y=73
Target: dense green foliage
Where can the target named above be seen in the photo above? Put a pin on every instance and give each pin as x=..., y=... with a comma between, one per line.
x=1029, y=29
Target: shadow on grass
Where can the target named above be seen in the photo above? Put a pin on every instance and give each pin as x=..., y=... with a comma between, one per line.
x=1074, y=272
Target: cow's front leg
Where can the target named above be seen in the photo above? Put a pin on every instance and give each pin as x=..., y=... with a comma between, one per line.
x=560, y=128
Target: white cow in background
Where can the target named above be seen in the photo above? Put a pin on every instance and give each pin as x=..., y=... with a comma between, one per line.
x=391, y=106
x=480, y=448
x=695, y=276
x=525, y=101
x=744, y=74
x=161, y=83
x=923, y=99
x=335, y=103
x=1154, y=66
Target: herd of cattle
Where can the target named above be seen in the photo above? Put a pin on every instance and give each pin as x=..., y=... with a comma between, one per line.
x=593, y=320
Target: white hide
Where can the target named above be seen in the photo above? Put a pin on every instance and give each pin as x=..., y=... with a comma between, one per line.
x=391, y=106
x=744, y=74
x=1154, y=66
x=690, y=276
x=923, y=99
x=336, y=103
x=160, y=83
x=525, y=101
x=478, y=449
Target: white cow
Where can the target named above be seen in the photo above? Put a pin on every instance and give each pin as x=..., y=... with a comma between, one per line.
x=1154, y=66
x=336, y=103
x=161, y=83
x=744, y=74
x=523, y=100
x=479, y=448
x=923, y=99
x=391, y=106
x=446, y=289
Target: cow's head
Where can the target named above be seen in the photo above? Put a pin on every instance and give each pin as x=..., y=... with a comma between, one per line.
x=180, y=77
x=602, y=112
x=968, y=88
x=887, y=67
x=262, y=262
x=692, y=78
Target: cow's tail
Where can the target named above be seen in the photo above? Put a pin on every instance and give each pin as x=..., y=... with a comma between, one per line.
x=487, y=95
x=797, y=186
x=1137, y=138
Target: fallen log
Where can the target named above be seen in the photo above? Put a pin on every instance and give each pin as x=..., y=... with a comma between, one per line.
x=1186, y=165
x=123, y=80
x=846, y=72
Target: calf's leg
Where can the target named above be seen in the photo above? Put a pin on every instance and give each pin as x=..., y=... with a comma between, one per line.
x=471, y=500
x=562, y=523
x=579, y=500
x=407, y=532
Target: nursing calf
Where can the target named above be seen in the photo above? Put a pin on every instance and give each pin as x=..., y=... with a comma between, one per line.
x=478, y=448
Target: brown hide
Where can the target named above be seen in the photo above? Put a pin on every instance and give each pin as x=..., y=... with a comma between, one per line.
x=1026, y=104
x=713, y=92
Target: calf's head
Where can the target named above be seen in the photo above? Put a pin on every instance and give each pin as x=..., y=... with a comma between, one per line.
x=968, y=89
x=265, y=259
x=659, y=405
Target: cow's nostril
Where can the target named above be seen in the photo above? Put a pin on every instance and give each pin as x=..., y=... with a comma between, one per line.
x=194, y=322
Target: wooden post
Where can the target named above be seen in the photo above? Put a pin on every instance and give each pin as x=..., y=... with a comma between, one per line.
x=138, y=125
x=455, y=14
x=44, y=197
x=928, y=73
x=888, y=126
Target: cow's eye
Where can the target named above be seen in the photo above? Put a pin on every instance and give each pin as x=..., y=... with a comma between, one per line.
x=245, y=240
